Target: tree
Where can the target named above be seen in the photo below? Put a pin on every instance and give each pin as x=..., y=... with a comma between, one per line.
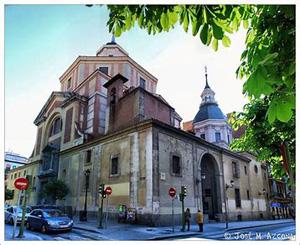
x=262, y=138
x=268, y=63
x=55, y=189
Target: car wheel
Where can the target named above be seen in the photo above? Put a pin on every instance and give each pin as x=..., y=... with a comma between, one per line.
x=43, y=229
x=11, y=221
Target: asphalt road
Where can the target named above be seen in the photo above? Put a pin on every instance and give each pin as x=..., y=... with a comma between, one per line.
x=74, y=235
x=277, y=232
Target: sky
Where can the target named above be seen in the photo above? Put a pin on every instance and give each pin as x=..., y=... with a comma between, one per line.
x=42, y=41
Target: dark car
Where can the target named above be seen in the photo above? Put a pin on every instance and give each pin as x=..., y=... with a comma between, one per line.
x=49, y=220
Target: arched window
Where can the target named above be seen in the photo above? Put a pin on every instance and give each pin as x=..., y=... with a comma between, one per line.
x=55, y=127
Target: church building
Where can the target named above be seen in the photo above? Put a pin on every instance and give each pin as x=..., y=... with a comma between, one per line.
x=107, y=125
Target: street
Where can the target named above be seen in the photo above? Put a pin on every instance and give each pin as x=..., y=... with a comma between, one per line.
x=255, y=230
x=74, y=235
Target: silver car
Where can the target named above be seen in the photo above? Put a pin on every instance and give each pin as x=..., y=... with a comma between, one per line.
x=10, y=214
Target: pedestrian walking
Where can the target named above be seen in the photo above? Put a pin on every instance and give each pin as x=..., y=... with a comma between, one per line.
x=200, y=220
x=187, y=216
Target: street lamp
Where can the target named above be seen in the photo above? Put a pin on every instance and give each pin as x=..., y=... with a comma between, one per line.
x=263, y=192
x=231, y=184
x=87, y=178
x=227, y=186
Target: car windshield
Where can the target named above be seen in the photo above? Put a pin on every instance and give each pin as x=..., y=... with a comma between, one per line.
x=19, y=210
x=53, y=213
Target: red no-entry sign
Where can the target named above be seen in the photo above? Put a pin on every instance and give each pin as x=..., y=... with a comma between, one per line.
x=21, y=183
x=172, y=192
x=108, y=190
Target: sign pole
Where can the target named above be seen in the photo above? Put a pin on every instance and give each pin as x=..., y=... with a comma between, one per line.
x=16, y=214
x=21, y=230
x=173, y=221
x=106, y=217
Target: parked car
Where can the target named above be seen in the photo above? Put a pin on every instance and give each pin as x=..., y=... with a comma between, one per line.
x=49, y=220
x=10, y=216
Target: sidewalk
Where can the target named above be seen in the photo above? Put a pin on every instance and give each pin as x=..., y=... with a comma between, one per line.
x=120, y=231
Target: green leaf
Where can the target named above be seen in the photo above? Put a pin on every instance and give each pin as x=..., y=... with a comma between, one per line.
x=245, y=24
x=118, y=30
x=204, y=34
x=250, y=36
x=268, y=58
x=226, y=41
x=272, y=112
x=257, y=84
x=173, y=17
x=164, y=21
x=215, y=44
x=128, y=22
x=186, y=22
x=209, y=36
x=195, y=26
x=284, y=112
x=291, y=101
x=140, y=20
x=217, y=31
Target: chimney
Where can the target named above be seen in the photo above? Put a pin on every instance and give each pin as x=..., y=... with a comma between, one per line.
x=114, y=92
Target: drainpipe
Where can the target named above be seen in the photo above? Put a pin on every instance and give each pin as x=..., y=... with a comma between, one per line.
x=225, y=193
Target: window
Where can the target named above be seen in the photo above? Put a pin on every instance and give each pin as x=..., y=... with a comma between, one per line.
x=24, y=173
x=114, y=166
x=176, y=123
x=15, y=176
x=88, y=156
x=19, y=174
x=113, y=96
x=64, y=174
x=228, y=139
x=235, y=170
x=237, y=198
x=202, y=136
x=11, y=176
x=245, y=169
x=104, y=69
x=255, y=169
x=176, y=168
x=248, y=195
x=55, y=127
x=33, y=184
x=142, y=82
x=218, y=136
x=69, y=83
x=207, y=192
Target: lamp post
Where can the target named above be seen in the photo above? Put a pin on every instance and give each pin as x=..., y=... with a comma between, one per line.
x=87, y=178
x=231, y=185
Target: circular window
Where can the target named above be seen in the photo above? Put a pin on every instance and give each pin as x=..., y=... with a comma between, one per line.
x=255, y=169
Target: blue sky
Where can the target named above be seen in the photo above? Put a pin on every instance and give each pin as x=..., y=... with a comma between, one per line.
x=41, y=41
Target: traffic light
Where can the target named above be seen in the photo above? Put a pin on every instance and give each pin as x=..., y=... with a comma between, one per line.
x=101, y=189
x=183, y=191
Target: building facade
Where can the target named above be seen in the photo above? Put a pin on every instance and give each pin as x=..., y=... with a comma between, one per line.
x=108, y=120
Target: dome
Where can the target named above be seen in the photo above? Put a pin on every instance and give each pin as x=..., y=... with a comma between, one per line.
x=209, y=111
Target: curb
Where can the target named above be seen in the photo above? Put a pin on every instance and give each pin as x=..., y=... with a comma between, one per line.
x=172, y=236
x=86, y=229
